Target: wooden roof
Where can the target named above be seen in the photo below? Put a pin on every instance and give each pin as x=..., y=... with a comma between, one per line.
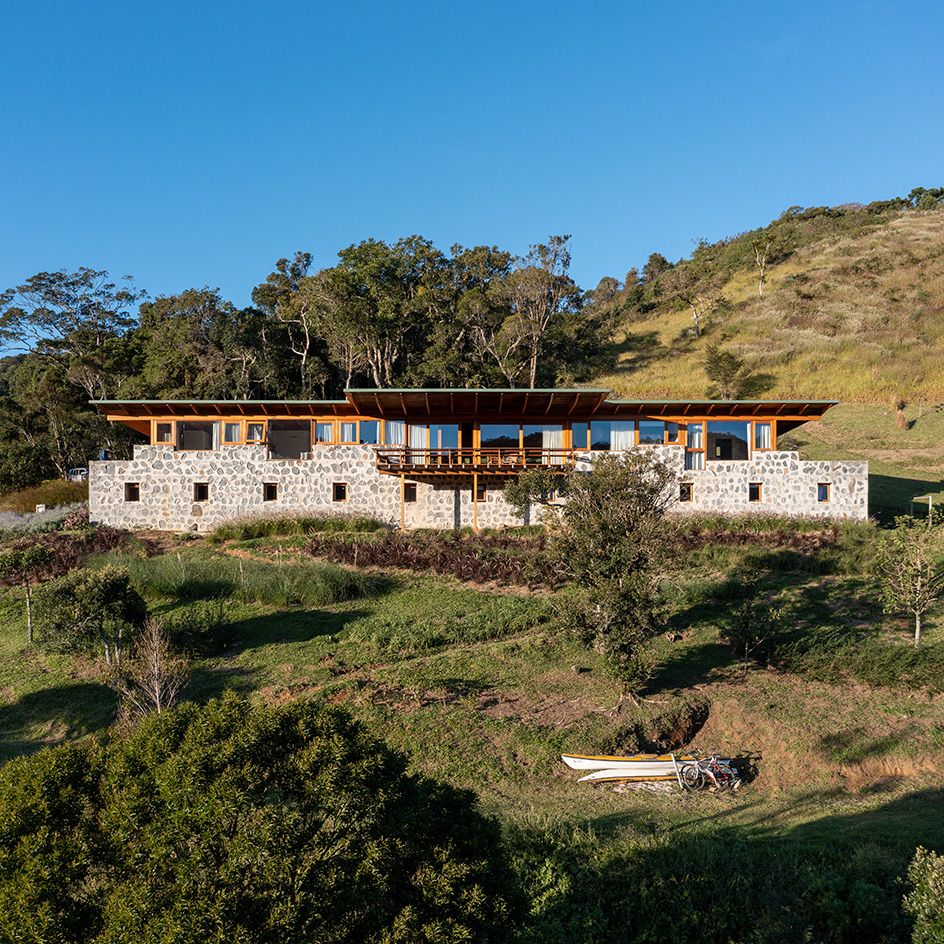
x=474, y=404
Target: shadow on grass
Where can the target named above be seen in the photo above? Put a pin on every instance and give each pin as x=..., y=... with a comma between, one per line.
x=890, y=495
x=52, y=715
x=837, y=877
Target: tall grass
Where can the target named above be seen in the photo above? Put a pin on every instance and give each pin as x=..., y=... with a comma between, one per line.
x=53, y=493
x=187, y=575
x=246, y=529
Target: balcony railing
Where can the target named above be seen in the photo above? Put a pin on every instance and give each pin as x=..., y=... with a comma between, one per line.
x=502, y=460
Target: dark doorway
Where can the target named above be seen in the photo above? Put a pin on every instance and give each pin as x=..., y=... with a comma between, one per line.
x=289, y=439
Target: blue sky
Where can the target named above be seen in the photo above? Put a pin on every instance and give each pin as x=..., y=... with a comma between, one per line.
x=195, y=143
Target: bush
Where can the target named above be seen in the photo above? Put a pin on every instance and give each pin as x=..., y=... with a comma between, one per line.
x=38, y=522
x=185, y=575
x=284, y=525
x=925, y=902
x=240, y=823
x=22, y=465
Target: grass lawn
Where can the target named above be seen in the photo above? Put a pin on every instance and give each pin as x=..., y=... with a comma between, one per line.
x=480, y=690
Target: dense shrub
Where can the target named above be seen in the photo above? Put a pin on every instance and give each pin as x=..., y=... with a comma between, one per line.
x=186, y=575
x=69, y=550
x=239, y=823
x=38, y=522
x=925, y=901
x=281, y=525
x=509, y=558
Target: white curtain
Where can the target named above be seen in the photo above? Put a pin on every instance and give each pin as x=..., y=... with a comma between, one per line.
x=762, y=435
x=417, y=437
x=553, y=439
x=622, y=435
x=695, y=431
x=216, y=434
x=395, y=432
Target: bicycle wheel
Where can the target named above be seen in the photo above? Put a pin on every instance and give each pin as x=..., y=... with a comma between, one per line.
x=693, y=777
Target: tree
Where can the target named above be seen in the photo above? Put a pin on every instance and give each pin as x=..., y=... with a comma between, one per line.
x=911, y=568
x=925, y=901
x=655, y=266
x=540, y=292
x=701, y=293
x=240, y=822
x=151, y=680
x=612, y=540
x=24, y=464
x=747, y=618
x=729, y=375
x=762, y=249
x=21, y=566
x=76, y=318
x=89, y=610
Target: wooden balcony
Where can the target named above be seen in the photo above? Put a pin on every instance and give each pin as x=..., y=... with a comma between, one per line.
x=503, y=460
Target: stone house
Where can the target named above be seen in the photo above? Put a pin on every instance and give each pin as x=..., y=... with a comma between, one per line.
x=440, y=458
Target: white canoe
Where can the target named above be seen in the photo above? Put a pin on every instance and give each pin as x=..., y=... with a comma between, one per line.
x=636, y=763
x=627, y=776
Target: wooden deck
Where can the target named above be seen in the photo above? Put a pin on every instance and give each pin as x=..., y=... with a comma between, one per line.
x=504, y=460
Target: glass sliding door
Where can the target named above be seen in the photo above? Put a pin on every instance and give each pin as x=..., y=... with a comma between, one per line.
x=549, y=438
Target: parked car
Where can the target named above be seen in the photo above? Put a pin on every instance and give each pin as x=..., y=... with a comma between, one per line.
x=78, y=475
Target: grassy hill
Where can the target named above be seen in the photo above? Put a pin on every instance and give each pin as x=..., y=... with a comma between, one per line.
x=852, y=310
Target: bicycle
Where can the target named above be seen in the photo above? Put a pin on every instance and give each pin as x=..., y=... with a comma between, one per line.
x=712, y=772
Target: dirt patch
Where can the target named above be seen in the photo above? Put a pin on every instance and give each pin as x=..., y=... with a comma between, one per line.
x=555, y=711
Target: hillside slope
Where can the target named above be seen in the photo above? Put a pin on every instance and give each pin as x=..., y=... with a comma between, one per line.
x=856, y=317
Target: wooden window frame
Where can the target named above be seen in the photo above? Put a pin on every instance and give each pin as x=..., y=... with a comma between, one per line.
x=409, y=488
x=829, y=493
x=315, y=441
x=132, y=488
x=691, y=493
x=357, y=430
x=481, y=493
x=648, y=419
x=334, y=492
x=172, y=442
x=254, y=442
x=680, y=437
x=241, y=441
x=203, y=485
x=380, y=431
x=760, y=493
x=265, y=491
x=773, y=436
x=703, y=449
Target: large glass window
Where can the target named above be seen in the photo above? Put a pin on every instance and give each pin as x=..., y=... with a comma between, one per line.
x=395, y=433
x=197, y=435
x=443, y=436
x=607, y=435
x=494, y=435
x=545, y=436
x=289, y=439
x=579, y=432
x=727, y=440
x=348, y=431
x=651, y=432
x=369, y=430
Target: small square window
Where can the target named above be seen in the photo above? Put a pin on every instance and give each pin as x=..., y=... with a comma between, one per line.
x=685, y=491
x=480, y=493
x=164, y=432
x=822, y=492
x=339, y=492
x=755, y=492
x=349, y=432
x=324, y=432
x=232, y=433
x=132, y=491
x=201, y=491
x=369, y=432
x=409, y=491
x=254, y=432
x=270, y=491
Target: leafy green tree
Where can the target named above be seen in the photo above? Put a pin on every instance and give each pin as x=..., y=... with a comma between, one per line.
x=24, y=464
x=238, y=822
x=21, y=565
x=76, y=318
x=612, y=540
x=911, y=568
x=86, y=611
x=925, y=901
x=730, y=376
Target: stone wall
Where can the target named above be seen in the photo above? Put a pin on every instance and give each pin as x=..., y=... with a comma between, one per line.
x=235, y=476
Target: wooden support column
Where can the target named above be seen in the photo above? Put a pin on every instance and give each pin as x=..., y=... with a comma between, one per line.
x=475, y=501
x=402, y=502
